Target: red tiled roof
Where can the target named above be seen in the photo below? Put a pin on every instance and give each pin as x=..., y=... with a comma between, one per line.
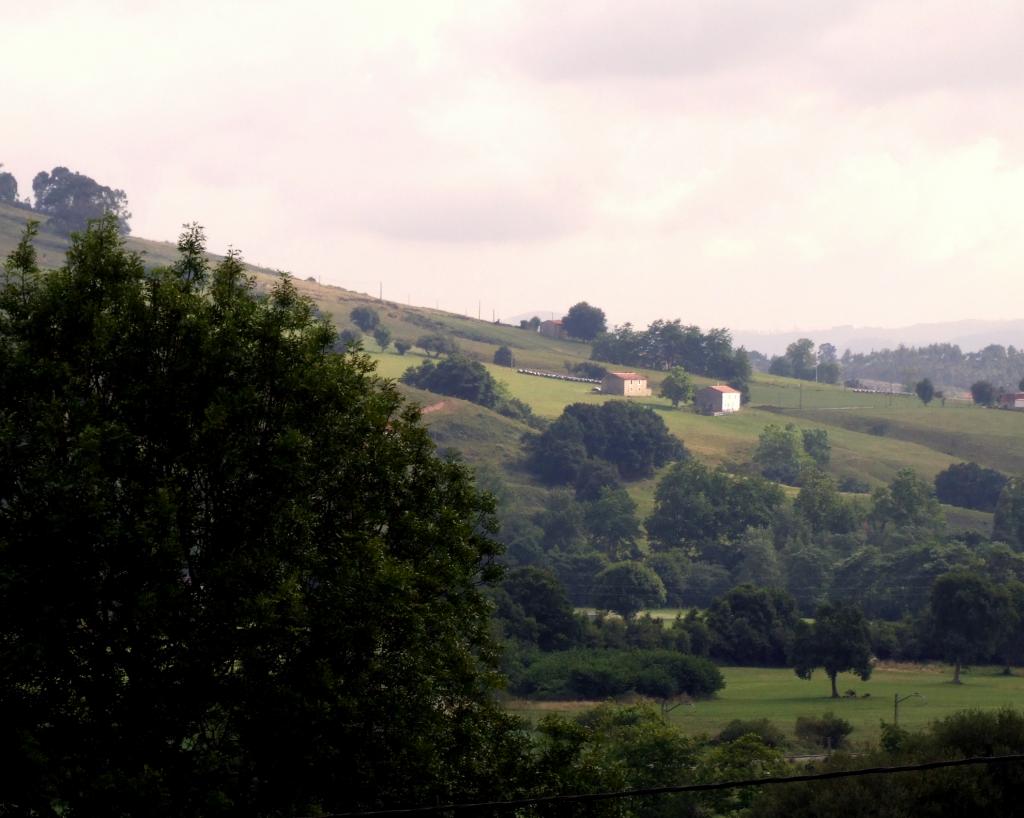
x=628, y=376
x=728, y=390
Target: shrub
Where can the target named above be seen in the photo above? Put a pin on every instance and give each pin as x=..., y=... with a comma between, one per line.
x=769, y=734
x=503, y=356
x=828, y=731
x=598, y=674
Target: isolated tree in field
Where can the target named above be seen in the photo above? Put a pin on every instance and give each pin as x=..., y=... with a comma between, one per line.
x=983, y=393
x=436, y=345
x=628, y=587
x=503, y=356
x=584, y=322
x=262, y=586
x=402, y=346
x=72, y=199
x=924, y=390
x=968, y=616
x=838, y=641
x=677, y=386
x=382, y=335
x=366, y=318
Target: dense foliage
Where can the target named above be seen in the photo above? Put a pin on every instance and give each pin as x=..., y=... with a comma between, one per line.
x=632, y=438
x=72, y=199
x=945, y=364
x=666, y=344
x=234, y=576
x=598, y=674
x=584, y=321
x=465, y=378
x=969, y=485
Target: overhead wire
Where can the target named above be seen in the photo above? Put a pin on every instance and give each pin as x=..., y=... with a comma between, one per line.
x=645, y=792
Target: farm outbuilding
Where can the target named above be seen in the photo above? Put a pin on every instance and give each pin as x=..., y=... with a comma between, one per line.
x=629, y=384
x=552, y=329
x=1012, y=400
x=717, y=400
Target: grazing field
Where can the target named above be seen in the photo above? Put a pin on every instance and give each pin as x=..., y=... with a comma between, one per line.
x=778, y=695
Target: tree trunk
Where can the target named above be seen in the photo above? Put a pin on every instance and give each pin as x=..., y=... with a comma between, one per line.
x=832, y=677
x=956, y=671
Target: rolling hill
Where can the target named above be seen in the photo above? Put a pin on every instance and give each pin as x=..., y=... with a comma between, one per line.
x=872, y=435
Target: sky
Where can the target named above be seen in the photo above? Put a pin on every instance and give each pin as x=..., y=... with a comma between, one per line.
x=739, y=163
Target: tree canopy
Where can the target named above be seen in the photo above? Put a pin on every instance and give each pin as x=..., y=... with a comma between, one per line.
x=72, y=199
x=584, y=321
x=677, y=386
x=838, y=641
x=234, y=576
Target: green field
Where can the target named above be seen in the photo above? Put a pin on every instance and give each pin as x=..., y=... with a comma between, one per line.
x=778, y=695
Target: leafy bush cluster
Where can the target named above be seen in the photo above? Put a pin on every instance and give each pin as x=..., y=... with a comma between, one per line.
x=599, y=674
x=465, y=378
x=632, y=438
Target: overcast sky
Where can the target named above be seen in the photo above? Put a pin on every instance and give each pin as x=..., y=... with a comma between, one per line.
x=756, y=165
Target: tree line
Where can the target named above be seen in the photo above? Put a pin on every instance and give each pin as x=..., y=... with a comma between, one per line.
x=69, y=199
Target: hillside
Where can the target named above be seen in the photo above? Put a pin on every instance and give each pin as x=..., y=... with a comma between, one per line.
x=872, y=436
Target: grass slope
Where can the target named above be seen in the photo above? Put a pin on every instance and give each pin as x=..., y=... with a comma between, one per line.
x=872, y=435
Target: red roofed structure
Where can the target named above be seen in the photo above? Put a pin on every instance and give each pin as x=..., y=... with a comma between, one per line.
x=718, y=400
x=629, y=384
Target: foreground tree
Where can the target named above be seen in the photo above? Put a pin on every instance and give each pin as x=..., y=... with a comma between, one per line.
x=234, y=576
x=71, y=199
x=838, y=641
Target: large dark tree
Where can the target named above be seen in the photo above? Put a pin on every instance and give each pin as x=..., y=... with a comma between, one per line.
x=969, y=616
x=969, y=485
x=234, y=576
x=72, y=199
x=983, y=393
x=838, y=641
x=584, y=321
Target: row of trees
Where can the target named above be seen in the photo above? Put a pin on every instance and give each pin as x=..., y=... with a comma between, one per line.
x=945, y=364
x=667, y=344
x=801, y=361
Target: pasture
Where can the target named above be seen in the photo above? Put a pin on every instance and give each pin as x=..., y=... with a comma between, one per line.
x=778, y=695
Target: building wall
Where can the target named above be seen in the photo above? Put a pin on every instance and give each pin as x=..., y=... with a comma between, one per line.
x=730, y=401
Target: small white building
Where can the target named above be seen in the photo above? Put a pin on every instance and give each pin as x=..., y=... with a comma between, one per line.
x=717, y=400
x=629, y=384
x=1012, y=400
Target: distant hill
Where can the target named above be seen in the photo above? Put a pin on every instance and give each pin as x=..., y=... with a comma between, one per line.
x=970, y=335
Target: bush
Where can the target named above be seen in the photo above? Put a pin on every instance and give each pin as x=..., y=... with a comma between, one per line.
x=828, y=731
x=599, y=674
x=366, y=318
x=402, y=346
x=503, y=356
x=769, y=734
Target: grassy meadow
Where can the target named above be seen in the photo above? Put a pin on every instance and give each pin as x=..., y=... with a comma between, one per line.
x=778, y=695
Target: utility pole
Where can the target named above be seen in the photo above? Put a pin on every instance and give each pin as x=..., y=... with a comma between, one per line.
x=896, y=699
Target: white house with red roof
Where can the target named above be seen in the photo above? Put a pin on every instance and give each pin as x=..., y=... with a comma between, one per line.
x=717, y=400
x=629, y=384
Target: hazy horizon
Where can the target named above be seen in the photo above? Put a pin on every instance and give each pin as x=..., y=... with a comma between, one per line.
x=756, y=165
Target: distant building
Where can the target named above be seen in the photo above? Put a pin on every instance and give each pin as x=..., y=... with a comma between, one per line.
x=629, y=384
x=552, y=329
x=1012, y=400
x=717, y=400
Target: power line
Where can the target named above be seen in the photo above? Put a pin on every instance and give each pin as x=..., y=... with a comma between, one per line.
x=681, y=788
